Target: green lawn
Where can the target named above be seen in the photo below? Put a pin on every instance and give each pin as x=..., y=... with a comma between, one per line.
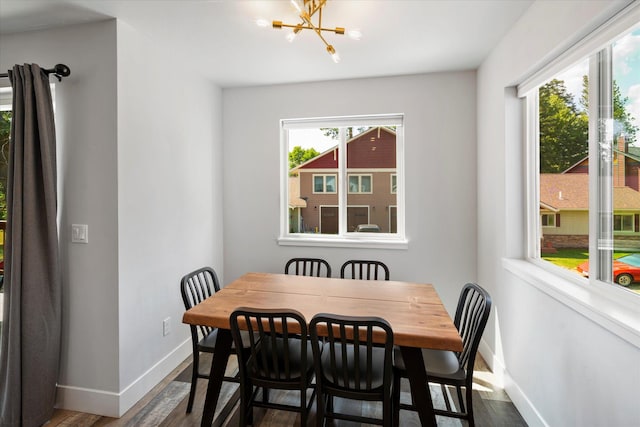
x=571, y=258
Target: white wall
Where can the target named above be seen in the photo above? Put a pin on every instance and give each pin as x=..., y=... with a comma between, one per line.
x=139, y=162
x=170, y=202
x=440, y=173
x=561, y=368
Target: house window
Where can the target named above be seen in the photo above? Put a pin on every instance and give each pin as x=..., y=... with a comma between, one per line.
x=583, y=128
x=548, y=220
x=324, y=183
x=360, y=184
x=328, y=181
x=623, y=223
x=394, y=184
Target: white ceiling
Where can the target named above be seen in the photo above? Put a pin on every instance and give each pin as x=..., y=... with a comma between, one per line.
x=222, y=39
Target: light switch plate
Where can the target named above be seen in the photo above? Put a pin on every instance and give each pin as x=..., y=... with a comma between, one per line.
x=79, y=233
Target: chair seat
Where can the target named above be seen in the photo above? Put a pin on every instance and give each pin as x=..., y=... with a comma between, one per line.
x=208, y=343
x=294, y=356
x=377, y=368
x=438, y=363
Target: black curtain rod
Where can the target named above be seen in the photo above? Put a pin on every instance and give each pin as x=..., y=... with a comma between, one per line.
x=59, y=70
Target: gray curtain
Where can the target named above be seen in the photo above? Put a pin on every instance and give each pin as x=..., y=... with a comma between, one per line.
x=30, y=351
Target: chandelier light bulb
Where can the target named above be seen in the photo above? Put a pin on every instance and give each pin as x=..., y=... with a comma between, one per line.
x=296, y=5
x=355, y=34
x=262, y=22
x=333, y=53
x=291, y=37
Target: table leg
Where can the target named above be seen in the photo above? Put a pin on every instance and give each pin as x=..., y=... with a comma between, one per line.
x=218, y=368
x=420, y=394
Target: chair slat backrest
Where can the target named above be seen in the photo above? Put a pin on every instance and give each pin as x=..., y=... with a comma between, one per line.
x=364, y=270
x=351, y=357
x=198, y=286
x=277, y=340
x=471, y=318
x=308, y=267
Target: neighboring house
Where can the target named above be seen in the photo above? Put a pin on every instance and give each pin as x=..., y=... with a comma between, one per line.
x=564, y=203
x=371, y=182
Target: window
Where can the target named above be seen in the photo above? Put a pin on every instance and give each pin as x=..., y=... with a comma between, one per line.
x=623, y=223
x=328, y=181
x=324, y=183
x=548, y=220
x=584, y=129
x=359, y=183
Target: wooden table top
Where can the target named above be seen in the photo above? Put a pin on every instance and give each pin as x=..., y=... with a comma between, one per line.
x=414, y=310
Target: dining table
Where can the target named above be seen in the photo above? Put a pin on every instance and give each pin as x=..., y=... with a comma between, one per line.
x=414, y=311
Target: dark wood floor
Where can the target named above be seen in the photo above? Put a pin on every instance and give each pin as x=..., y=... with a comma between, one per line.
x=166, y=404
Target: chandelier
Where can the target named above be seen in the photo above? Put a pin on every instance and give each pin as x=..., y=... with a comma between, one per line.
x=306, y=12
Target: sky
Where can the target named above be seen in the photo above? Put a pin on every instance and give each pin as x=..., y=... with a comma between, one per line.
x=626, y=72
x=308, y=138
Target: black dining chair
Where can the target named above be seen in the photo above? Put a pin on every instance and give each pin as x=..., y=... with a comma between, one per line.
x=308, y=267
x=195, y=287
x=364, y=270
x=279, y=357
x=453, y=368
x=350, y=365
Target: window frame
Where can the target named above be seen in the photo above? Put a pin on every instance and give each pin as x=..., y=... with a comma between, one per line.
x=612, y=307
x=344, y=238
x=359, y=176
x=324, y=183
x=393, y=189
x=622, y=216
x=548, y=215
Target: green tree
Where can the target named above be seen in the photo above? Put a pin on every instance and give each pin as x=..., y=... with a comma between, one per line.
x=623, y=121
x=299, y=155
x=5, y=131
x=563, y=129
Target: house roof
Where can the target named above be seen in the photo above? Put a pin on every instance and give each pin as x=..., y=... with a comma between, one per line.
x=571, y=192
x=294, y=193
x=328, y=158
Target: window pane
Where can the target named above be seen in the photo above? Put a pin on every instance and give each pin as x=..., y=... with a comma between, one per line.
x=626, y=157
x=312, y=197
x=330, y=182
x=353, y=184
x=365, y=184
x=371, y=158
x=564, y=168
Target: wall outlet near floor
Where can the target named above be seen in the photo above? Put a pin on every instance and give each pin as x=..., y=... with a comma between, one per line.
x=166, y=326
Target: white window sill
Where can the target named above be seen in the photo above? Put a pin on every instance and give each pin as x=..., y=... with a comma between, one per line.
x=614, y=309
x=344, y=242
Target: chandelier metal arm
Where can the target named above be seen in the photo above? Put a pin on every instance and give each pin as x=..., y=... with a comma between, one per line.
x=311, y=7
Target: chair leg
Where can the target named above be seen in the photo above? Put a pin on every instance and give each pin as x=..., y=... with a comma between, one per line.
x=396, y=400
x=194, y=380
x=445, y=395
x=246, y=408
x=303, y=408
x=470, y=407
x=387, y=413
x=319, y=408
x=462, y=402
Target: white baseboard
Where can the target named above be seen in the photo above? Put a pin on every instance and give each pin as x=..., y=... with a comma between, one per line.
x=528, y=411
x=110, y=404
